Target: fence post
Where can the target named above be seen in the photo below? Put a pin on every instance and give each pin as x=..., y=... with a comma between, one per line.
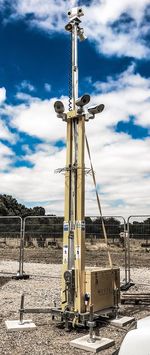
x=128, y=282
x=21, y=274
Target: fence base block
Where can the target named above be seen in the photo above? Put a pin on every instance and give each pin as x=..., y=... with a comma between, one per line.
x=21, y=277
x=98, y=345
x=126, y=287
x=14, y=325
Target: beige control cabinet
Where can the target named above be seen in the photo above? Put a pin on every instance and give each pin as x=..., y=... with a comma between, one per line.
x=100, y=284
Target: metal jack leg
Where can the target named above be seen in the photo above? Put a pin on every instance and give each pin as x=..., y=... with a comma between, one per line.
x=21, y=311
x=116, y=298
x=91, y=325
x=53, y=317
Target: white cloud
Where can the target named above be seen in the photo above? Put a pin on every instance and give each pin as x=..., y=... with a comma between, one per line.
x=128, y=94
x=121, y=163
x=23, y=97
x=117, y=29
x=2, y=95
x=37, y=118
x=47, y=87
x=6, y=134
x=6, y=157
x=47, y=14
x=40, y=182
x=109, y=27
x=26, y=85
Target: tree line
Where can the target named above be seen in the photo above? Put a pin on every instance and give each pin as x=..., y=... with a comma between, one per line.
x=52, y=225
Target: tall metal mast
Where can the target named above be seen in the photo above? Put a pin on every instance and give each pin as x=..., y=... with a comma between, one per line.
x=73, y=273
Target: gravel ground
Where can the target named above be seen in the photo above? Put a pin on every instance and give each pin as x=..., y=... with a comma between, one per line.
x=40, y=291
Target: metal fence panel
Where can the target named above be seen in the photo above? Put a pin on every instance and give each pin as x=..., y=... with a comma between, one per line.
x=114, y=225
x=37, y=233
x=11, y=236
x=40, y=230
x=138, y=227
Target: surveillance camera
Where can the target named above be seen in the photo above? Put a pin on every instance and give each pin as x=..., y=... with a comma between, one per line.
x=96, y=109
x=59, y=107
x=75, y=12
x=83, y=100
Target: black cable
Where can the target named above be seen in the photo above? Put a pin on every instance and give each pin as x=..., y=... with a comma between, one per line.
x=70, y=76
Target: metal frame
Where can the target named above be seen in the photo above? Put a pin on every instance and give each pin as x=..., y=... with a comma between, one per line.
x=20, y=271
x=129, y=280
x=67, y=318
x=24, y=231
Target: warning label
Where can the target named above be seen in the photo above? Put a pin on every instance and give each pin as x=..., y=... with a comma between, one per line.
x=78, y=252
x=65, y=254
x=80, y=224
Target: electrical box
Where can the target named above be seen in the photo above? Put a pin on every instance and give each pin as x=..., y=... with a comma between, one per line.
x=100, y=284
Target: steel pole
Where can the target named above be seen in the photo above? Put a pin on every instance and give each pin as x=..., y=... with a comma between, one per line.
x=73, y=185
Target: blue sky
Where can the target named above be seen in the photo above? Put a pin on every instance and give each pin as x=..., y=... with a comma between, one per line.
x=114, y=67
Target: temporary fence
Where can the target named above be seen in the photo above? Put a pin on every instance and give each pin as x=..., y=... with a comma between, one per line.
x=138, y=229
x=40, y=232
x=115, y=227
x=11, y=228
x=44, y=231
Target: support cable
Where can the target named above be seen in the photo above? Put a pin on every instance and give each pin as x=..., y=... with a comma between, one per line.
x=70, y=77
x=98, y=202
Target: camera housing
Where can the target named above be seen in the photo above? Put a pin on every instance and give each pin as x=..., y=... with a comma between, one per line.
x=83, y=100
x=75, y=12
x=59, y=107
x=93, y=110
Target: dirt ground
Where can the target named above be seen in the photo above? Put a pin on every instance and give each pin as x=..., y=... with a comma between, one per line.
x=96, y=254
x=44, y=285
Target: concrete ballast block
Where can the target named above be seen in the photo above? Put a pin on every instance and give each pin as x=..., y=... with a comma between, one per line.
x=99, y=344
x=123, y=321
x=15, y=325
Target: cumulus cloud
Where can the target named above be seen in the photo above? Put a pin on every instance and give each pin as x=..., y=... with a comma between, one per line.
x=119, y=30
x=47, y=14
x=2, y=95
x=128, y=94
x=6, y=157
x=26, y=85
x=44, y=185
x=47, y=87
x=121, y=163
x=37, y=118
x=5, y=133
